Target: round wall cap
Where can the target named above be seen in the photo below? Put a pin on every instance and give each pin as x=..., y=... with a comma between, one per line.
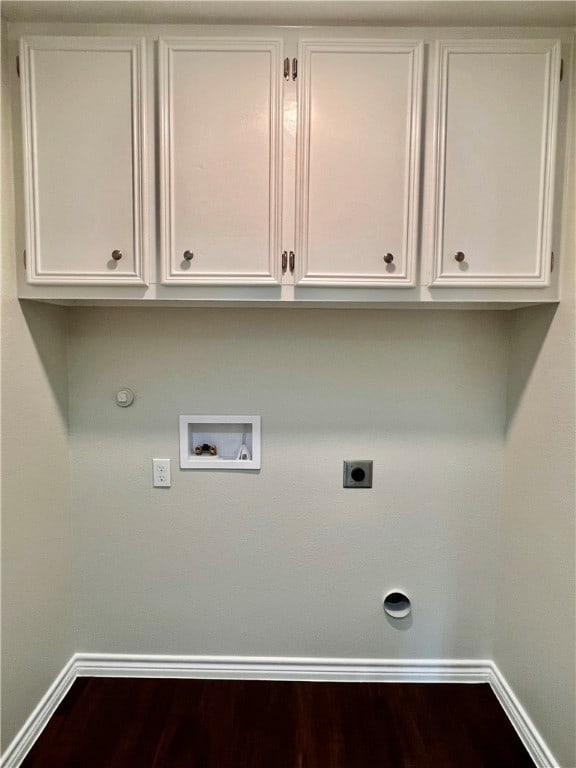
x=397, y=605
x=124, y=397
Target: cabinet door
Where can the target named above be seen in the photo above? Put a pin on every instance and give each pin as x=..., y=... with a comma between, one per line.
x=84, y=155
x=358, y=162
x=220, y=156
x=495, y=143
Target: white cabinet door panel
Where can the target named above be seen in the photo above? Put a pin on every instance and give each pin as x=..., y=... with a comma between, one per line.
x=358, y=162
x=497, y=103
x=221, y=160
x=84, y=136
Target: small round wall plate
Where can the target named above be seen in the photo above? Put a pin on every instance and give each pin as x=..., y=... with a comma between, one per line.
x=124, y=397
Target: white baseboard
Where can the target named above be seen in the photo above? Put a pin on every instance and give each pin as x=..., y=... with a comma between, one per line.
x=279, y=668
x=33, y=727
x=525, y=728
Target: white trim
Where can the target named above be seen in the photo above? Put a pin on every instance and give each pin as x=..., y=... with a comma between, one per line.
x=279, y=668
x=33, y=727
x=525, y=728
x=283, y=668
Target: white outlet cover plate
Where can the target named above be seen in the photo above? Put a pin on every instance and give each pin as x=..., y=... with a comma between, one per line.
x=161, y=473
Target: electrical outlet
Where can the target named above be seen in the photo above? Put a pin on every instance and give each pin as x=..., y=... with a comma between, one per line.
x=162, y=477
x=358, y=474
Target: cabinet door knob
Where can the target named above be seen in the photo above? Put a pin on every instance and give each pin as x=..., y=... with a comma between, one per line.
x=459, y=256
x=116, y=255
x=188, y=255
x=389, y=258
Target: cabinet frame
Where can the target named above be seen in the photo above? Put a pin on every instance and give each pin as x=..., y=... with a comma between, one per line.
x=137, y=49
x=415, y=48
x=444, y=48
x=166, y=46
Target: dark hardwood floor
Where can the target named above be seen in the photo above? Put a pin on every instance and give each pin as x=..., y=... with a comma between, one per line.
x=118, y=723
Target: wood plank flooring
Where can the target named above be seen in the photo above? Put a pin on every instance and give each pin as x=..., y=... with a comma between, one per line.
x=119, y=723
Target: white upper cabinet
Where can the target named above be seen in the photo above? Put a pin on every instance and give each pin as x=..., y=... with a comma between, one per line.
x=495, y=146
x=358, y=162
x=220, y=155
x=289, y=165
x=84, y=158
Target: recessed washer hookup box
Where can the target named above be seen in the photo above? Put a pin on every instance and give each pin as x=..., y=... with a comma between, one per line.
x=219, y=442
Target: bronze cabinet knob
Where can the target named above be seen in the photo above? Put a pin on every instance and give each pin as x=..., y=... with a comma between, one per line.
x=116, y=255
x=459, y=256
x=389, y=258
x=188, y=255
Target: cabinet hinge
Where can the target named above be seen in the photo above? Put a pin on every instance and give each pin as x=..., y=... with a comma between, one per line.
x=18, y=65
x=561, y=69
x=552, y=262
x=290, y=68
